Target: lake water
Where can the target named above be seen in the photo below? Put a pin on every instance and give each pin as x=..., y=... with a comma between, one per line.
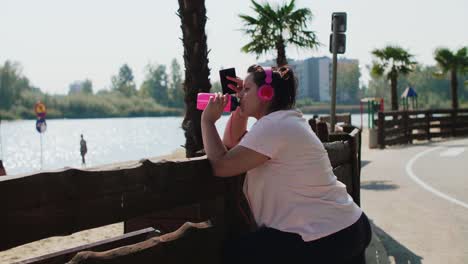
x=109, y=140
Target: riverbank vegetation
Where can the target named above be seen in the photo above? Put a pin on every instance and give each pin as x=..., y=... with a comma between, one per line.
x=161, y=93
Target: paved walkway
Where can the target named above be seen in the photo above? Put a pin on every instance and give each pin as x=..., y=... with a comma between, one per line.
x=417, y=198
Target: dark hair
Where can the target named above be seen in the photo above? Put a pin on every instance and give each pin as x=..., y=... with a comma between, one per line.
x=284, y=84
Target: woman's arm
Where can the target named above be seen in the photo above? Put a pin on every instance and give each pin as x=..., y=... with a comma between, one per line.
x=236, y=128
x=225, y=163
x=237, y=123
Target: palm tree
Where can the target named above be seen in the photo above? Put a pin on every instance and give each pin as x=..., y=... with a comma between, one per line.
x=391, y=62
x=193, y=19
x=454, y=63
x=276, y=28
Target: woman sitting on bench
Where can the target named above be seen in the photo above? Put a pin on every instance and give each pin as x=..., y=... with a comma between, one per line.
x=302, y=212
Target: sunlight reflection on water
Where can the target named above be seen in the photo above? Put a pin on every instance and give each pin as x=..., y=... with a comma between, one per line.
x=109, y=140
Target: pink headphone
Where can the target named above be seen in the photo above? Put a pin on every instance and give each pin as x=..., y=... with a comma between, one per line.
x=266, y=91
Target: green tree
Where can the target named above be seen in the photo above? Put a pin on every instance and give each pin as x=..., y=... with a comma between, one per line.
x=85, y=87
x=391, y=62
x=453, y=63
x=12, y=84
x=430, y=94
x=176, y=87
x=274, y=29
x=430, y=90
x=193, y=20
x=347, y=85
x=155, y=83
x=124, y=82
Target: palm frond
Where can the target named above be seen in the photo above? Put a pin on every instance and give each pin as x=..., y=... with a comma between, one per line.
x=283, y=24
x=394, y=60
x=462, y=59
x=377, y=69
x=248, y=20
x=444, y=58
x=461, y=53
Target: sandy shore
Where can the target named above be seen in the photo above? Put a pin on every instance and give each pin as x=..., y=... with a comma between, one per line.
x=54, y=244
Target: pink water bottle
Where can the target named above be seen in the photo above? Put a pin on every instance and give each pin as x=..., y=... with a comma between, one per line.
x=204, y=98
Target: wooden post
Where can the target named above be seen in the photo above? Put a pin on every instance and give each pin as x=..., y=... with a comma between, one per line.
x=428, y=124
x=354, y=143
x=322, y=131
x=313, y=124
x=381, y=130
x=407, y=132
x=453, y=121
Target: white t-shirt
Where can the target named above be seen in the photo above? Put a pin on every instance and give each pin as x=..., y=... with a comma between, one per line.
x=295, y=191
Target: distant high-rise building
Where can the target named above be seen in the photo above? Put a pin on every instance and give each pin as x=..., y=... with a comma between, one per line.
x=315, y=79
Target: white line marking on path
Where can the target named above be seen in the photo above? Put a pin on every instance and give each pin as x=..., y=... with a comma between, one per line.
x=412, y=175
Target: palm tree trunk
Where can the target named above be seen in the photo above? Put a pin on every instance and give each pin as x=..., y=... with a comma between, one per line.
x=394, y=96
x=454, y=86
x=281, y=56
x=192, y=14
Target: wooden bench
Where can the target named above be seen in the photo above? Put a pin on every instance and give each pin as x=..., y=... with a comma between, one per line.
x=147, y=196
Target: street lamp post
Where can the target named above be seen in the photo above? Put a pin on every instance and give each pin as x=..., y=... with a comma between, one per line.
x=337, y=46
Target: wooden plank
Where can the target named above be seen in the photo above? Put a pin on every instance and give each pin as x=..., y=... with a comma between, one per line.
x=322, y=131
x=338, y=136
x=440, y=134
x=355, y=143
x=64, y=256
x=396, y=141
x=191, y=243
x=418, y=126
x=344, y=174
x=442, y=111
x=417, y=123
x=338, y=152
x=419, y=136
x=64, y=202
x=462, y=133
x=441, y=118
x=417, y=112
x=381, y=130
x=342, y=117
x=394, y=131
x=393, y=123
x=461, y=123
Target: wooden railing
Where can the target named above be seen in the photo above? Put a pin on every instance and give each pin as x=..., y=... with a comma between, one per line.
x=402, y=127
x=146, y=195
x=340, y=118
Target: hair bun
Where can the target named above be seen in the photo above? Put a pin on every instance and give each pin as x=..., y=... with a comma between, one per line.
x=285, y=73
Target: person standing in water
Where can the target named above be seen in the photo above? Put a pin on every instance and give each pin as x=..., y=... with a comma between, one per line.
x=83, y=149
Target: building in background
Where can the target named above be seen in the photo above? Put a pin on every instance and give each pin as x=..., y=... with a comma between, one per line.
x=314, y=75
x=315, y=79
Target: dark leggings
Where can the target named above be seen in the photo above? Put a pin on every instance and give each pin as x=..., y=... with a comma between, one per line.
x=268, y=245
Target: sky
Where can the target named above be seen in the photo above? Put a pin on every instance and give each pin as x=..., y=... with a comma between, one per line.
x=60, y=41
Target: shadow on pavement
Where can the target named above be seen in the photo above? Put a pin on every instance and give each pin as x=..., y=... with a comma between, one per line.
x=378, y=185
x=394, y=249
